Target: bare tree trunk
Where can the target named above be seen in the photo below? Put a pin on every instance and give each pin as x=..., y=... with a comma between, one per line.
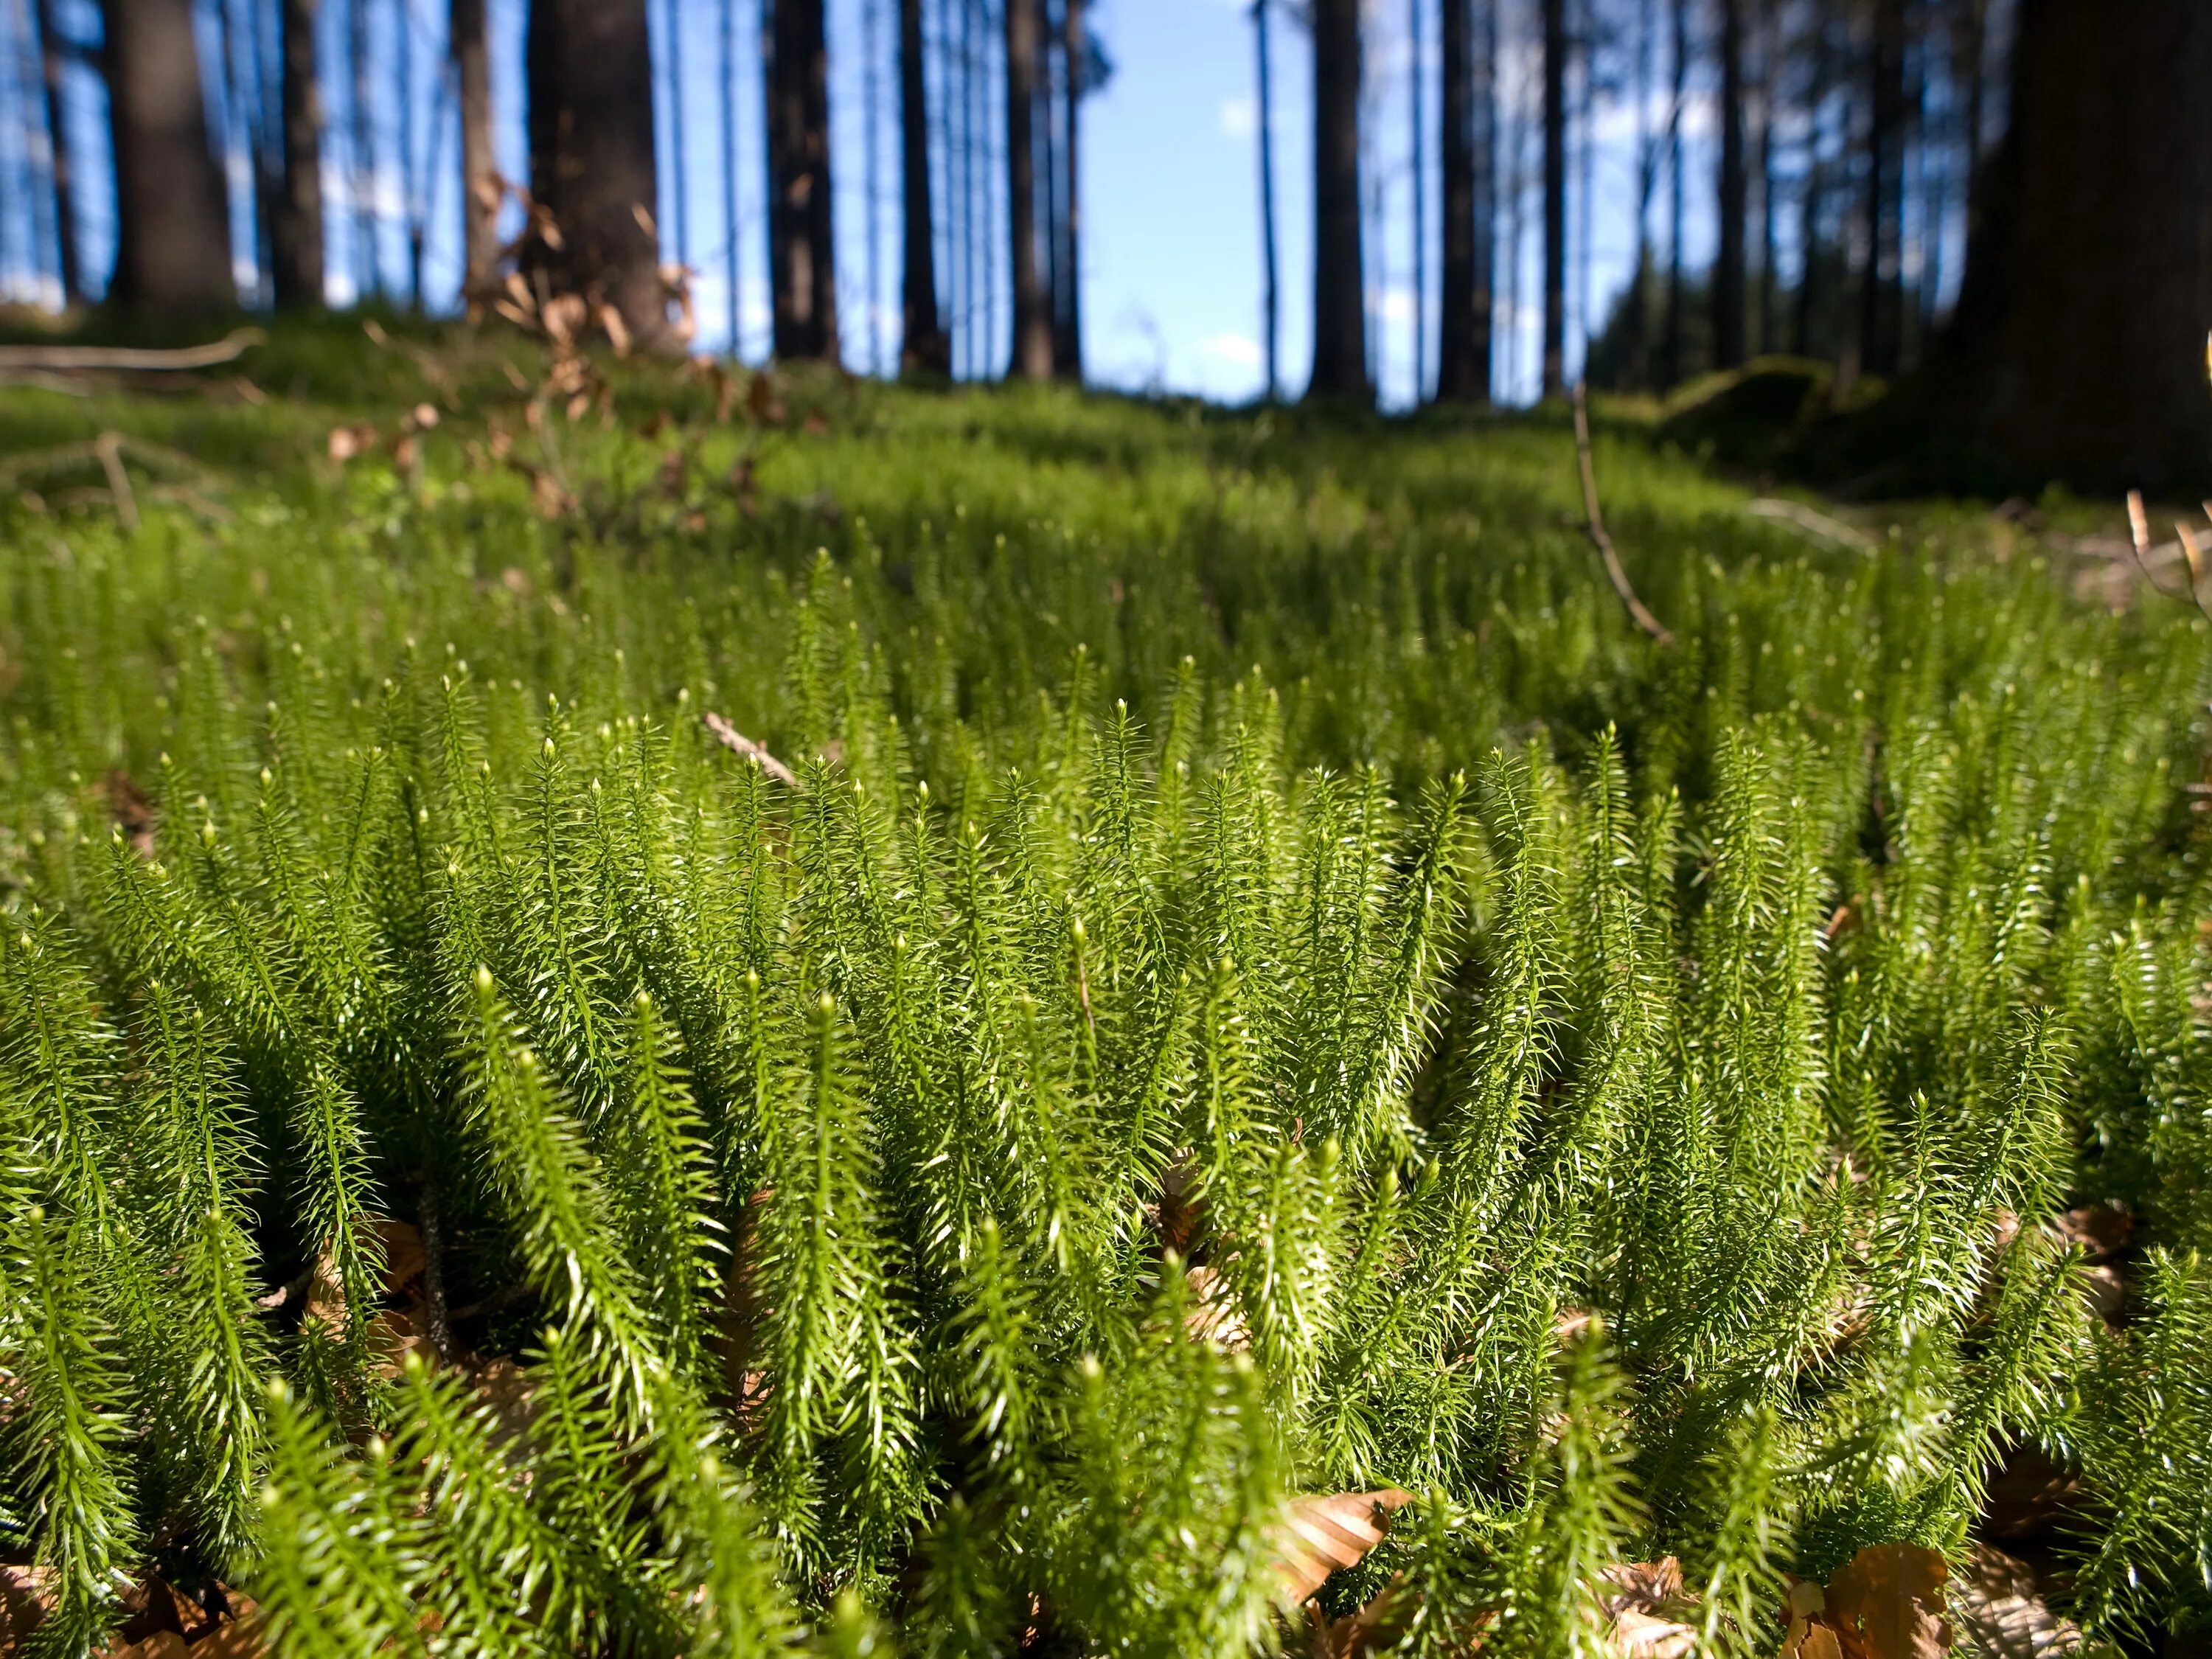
x=679, y=217
x=1456, y=354
x=1032, y=346
x=591, y=156
x=2076, y=350
x=801, y=247
x=1809, y=201
x=51, y=63
x=871, y=188
x=1419, y=153
x=1879, y=301
x=732, y=268
x=1770, y=85
x=480, y=187
x=1486, y=200
x=361, y=170
x=1637, y=369
x=171, y=212
x=1270, y=325
x=1969, y=47
x=922, y=345
x=1068, y=330
x=295, y=230
x=1555, y=197
x=1671, y=364
x=1729, y=284
x=1339, y=361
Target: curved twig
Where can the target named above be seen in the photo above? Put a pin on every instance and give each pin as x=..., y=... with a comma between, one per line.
x=53, y=359
x=1593, y=525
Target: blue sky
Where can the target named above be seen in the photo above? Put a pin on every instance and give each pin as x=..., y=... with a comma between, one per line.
x=1170, y=257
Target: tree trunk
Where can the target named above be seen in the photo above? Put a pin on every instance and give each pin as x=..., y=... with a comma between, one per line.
x=1670, y=352
x=732, y=281
x=1729, y=294
x=295, y=230
x=1340, y=347
x=1809, y=201
x=1555, y=197
x=1419, y=138
x=1879, y=301
x=1067, y=316
x=1969, y=48
x=923, y=347
x=591, y=156
x=480, y=186
x=1032, y=347
x=1635, y=372
x=51, y=63
x=1270, y=293
x=2077, y=350
x=802, y=260
x=171, y=212
x=1455, y=358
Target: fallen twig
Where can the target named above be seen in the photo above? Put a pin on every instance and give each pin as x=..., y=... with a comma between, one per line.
x=2139, y=544
x=1814, y=524
x=1594, y=524
x=738, y=744
x=108, y=446
x=62, y=358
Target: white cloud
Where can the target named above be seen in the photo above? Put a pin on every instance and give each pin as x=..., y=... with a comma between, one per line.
x=1238, y=351
x=1239, y=116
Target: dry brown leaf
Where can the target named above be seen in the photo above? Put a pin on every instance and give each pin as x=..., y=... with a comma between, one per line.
x=1647, y=1636
x=1888, y=1603
x=1320, y=1534
x=347, y=441
x=24, y=1599
x=2002, y=1612
x=1213, y=1315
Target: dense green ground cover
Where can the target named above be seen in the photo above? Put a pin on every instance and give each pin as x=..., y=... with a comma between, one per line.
x=1261, y=983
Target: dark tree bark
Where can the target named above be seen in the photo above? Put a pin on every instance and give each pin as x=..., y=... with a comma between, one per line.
x=1670, y=350
x=2077, y=350
x=1270, y=290
x=1636, y=369
x=50, y=61
x=1728, y=286
x=1067, y=310
x=1879, y=300
x=1809, y=200
x=1555, y=197
x=923, y=347
x=591, y=156
x=480, y=187
x=1419, y=141
x=1339, y=361
x=171, y=211
x=733, y=287
x=1770, y=85
x=1456, y=344
x=1970, y=46
x=360, y=158
x=802, y=251
x=295, y=230
x=1032, y=348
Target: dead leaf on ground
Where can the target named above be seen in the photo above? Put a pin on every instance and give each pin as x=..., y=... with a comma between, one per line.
x=1887, y=1602
x=1213, y=1315
x=2002, y=1613
x=1321, y=1534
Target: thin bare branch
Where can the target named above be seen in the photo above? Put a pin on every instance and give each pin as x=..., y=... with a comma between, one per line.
x=62, y=358
x=738, y=744
x=108, y=446
x=1594, y=524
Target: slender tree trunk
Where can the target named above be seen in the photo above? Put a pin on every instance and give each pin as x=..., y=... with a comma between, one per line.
x=1555, y=197
x=1728, y=285
x=171, y=211
x=295, y=230
x=2076, y=350
x=1671, y=355
x=1879, y=306
x=592, y=160
x=51, y=65
x=1032, y=345
x=1456, y=357
x=1340, y=361
x=362, y=172
x=1068, y=333
x=480, y=190
x=801, y=248
x=1770, y=83
x=1809, y=201
x=1971, y=47
x=1636, y=367
x=922, y=345
x=679, y=217
x=1420, y=166
x=871, y=98
x=1486, y=201
x=732, y=268
x=1270, y=293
